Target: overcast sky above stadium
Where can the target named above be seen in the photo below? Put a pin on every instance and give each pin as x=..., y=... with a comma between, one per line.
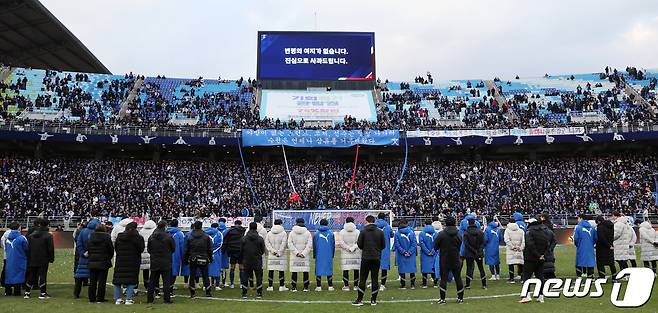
x=454, y=39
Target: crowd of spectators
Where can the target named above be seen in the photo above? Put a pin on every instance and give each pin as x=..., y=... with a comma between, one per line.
x=81, y=187
x=405, y=110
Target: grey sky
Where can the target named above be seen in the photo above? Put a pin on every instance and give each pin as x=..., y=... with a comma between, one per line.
x=454, y=39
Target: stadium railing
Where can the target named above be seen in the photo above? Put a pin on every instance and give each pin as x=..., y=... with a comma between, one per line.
x=170, y=130
x=66, y=222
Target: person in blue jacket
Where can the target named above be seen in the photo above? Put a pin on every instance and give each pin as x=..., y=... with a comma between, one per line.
x=491, y=249
x=82, y=270
x=406, y=249
x=185, y=268
x=462, y=228
x=324, y=248
x=215, y=267
x=584, y=237
x=16, y=266
x=224, y=261
x=177, y=257
x=518, y=219
x=427, y=255
x=385, y=261
x=245, y=212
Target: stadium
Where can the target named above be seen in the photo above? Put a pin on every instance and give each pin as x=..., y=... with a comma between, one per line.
x=319, y=135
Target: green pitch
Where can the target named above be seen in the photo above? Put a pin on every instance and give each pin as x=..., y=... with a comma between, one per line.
x=500, y=297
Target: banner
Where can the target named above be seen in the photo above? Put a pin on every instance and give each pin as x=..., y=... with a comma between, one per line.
x=336, y=218
x=547, y=131
x=320, y=138
x=458, y=133
x=312, y=105
x=117, y=139
x=525, y=137
x=186, y=222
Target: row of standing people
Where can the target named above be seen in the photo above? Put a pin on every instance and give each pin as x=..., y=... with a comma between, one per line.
x=608, y=241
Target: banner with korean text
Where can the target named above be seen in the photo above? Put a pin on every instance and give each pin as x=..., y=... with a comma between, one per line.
x=319, y=138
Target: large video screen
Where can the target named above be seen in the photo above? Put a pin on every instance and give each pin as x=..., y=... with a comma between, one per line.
x=326, y=56
x=318, y=105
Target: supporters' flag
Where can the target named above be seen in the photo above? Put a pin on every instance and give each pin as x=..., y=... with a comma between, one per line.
x=294, y=197
x=655, y=181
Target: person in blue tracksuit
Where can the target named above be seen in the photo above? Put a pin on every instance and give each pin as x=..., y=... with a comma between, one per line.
x=427, y=255
x=215, y=267
x=491, y=249
x=385, y=260
x=462, y=228
x=518, y=219
x=324, y=248
x=177, y=257
x=82, y=270
x=16, y=266
x=224, y=261
x=406, y=249
x=185, y=268
x=585, y=237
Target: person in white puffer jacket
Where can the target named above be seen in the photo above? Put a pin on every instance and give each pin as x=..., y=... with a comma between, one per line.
x=631, y=247
x=119, y=228
x=514, y=245
x=350, y=253
x=145, y=265
x=300, y=242
x=275, y=244
x=648, y=245
x=623, y=236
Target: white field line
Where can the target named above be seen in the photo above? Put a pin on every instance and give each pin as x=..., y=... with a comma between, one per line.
x=332, y=301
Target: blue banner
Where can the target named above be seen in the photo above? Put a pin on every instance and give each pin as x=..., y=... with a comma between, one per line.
x=319, y=138
x=531, y=139
x=117, y=139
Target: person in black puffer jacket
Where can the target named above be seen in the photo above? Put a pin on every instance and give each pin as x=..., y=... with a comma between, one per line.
x=253, y=248
x=473, y=253
x=549, y=262
x=129, y=247
x=99, y=252
x=534, y=255
x=605, y=253
x=448, y=244
x=41, y=252
x=198, y=254
x=231, y=247
x=371, y=241
x=160, y=247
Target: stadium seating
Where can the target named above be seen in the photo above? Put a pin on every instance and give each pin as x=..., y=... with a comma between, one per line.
x=204, y=102
x=549, y=101
x=87, y=96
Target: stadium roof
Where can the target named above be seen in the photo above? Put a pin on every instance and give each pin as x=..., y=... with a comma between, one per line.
x=31, y=36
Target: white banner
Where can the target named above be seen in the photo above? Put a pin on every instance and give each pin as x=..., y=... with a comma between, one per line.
x=317, y=105
x=497, y=132
x=186, y=222
x=458, y=133
x=548, y=131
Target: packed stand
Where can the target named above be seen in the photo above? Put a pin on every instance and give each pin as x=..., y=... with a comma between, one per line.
x=81, y=187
